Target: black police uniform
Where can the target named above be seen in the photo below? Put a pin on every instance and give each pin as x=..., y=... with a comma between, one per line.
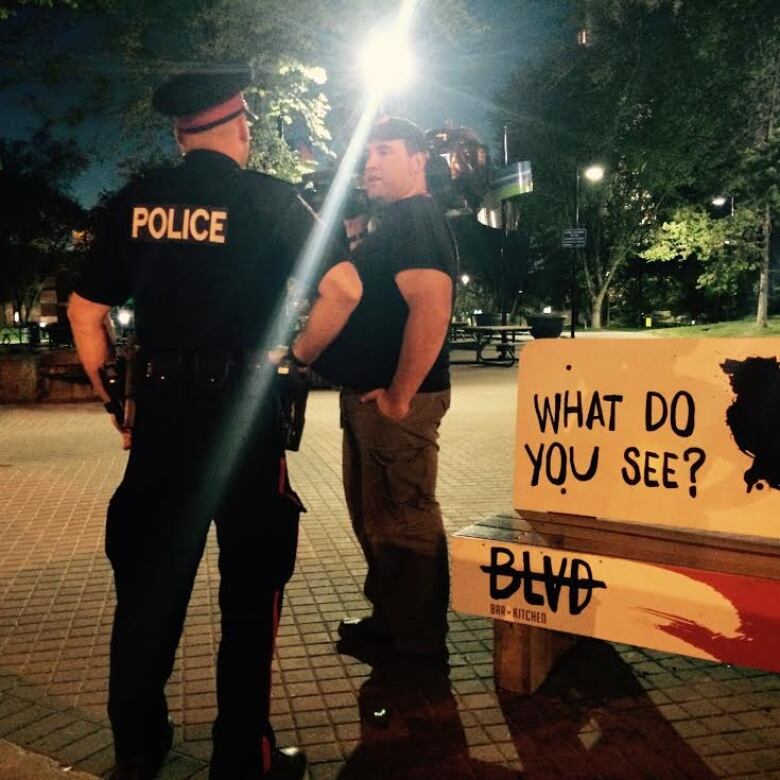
x=205, y=251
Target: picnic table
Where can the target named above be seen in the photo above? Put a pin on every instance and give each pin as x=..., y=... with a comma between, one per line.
x=503, y=338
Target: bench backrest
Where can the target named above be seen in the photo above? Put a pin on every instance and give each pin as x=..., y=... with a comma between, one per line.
x=673, y=432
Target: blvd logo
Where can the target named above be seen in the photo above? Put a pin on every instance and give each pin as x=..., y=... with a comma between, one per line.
x=576, y=579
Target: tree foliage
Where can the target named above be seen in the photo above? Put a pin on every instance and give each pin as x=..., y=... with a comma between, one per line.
x=659, y=98
x=36, y=220
x=109, y=55
x=728, y=248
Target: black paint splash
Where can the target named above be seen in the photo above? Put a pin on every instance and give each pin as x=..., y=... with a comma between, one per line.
x=754, y=417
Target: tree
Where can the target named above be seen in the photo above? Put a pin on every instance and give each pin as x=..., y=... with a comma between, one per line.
x=651, y=99
x=729, y=248
x=110, y=54
x=104, y=59
x=36, y=219
x=758, y=180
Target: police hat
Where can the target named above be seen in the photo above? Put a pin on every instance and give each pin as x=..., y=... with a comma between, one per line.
x=201, y=99
x=394, y=128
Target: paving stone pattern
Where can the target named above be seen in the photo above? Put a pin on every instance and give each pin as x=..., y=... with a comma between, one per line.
x=609, y=711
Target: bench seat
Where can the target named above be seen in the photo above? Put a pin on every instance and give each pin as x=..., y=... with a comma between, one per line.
x=545, y=578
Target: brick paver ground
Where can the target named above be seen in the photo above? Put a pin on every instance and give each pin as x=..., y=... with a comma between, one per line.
x=608, y=711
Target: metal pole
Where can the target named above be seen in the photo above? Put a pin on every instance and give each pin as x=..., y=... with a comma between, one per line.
x=504, y=234
x=572, y=291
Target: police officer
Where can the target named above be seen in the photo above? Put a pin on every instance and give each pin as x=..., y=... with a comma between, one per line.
x=205, y=251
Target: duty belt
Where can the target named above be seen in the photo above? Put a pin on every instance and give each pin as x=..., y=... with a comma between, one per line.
x=197, y=371
x=202, y=373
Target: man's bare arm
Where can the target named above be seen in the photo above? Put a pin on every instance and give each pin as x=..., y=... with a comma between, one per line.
x=428, y=294
x=87, y=320
x=340, y=292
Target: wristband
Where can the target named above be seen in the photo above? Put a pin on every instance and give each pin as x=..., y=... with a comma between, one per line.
x=296, y=361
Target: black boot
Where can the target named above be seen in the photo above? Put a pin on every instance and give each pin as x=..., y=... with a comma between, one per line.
x=145, y=763
x=288, y=764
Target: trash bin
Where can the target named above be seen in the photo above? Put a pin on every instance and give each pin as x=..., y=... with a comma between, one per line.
x=545, y=326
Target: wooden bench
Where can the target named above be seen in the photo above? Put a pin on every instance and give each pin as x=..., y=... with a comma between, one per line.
x=671, y=551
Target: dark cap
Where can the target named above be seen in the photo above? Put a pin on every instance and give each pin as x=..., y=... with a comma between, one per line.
x=393, y=128
x=201, y=99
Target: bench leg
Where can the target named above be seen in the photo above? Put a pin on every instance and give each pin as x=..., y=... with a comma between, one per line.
x=523, y=655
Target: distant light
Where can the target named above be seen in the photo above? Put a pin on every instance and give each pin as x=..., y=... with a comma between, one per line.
x=386, y=60
x=583, y=37
x=594, y=173
x=719, y=201
x=124, y=316
x=43, y=323
x=16, y=316
x=477, y=311
x=465, y=279
x=547, y=310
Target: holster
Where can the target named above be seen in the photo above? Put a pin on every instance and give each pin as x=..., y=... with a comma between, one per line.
x=293, y=393
x=112, y=378
x=118, y=377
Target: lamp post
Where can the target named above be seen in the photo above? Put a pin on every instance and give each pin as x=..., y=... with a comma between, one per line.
x=504, y=236
x=720, y=202
x=386, y=60
x=594, y=174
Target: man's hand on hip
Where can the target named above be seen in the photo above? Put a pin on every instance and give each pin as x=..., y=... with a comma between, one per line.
x=387, y=404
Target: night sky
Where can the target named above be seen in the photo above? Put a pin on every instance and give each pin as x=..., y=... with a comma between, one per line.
x=456, y=82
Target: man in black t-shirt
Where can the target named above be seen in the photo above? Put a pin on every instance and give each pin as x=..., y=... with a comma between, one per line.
x=205, y=251
x=391, y=359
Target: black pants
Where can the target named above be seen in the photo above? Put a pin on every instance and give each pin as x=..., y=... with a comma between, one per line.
x=193, y=460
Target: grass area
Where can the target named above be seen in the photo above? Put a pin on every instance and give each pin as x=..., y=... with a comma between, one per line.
x=9, y=335
x=736, y=329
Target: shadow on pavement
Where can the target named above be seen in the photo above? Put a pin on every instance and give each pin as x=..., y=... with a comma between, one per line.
x=592, y=718
x=411, y=729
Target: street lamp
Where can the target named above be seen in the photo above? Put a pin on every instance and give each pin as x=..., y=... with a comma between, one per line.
x=721, y=200
x=594, y=174
x=386, y=60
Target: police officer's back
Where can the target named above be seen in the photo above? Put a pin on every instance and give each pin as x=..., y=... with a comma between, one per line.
x=205, y=250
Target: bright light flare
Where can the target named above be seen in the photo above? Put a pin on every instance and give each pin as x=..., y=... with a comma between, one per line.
x=258, y=385
x=594, y=173
x=123, y=317
x=719, y=201
x=465, y=279
x=386, y=60
x=259, y=382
